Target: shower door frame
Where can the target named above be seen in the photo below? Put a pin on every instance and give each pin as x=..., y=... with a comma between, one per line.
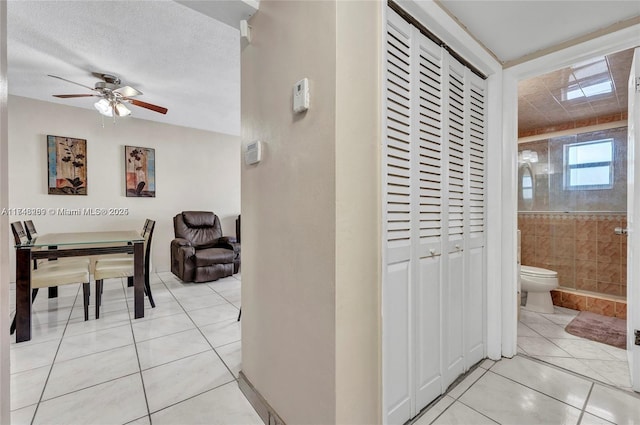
x=620, y=40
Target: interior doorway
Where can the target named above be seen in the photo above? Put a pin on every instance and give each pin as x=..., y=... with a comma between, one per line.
x=571, y=184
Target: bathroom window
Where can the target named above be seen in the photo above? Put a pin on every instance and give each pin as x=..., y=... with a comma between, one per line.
x=527, y=186
x=588, y=165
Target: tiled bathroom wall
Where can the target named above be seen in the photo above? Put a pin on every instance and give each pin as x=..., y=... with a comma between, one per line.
x=583, y=248
x=549, y=192
x=595, y=303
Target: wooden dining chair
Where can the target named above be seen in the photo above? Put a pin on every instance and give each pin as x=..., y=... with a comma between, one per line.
x=63, y=273
x=121, y=256
x=123, y=267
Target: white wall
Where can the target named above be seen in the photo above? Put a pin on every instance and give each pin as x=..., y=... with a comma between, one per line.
x=195, y=170
x=358, y=213
x=5, y=397
x=311, y=211
x=288, y=211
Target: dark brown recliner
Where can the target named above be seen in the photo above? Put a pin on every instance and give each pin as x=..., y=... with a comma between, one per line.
x=200, y=253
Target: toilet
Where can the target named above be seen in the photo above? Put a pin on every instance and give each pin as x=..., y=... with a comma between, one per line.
x=538, y=283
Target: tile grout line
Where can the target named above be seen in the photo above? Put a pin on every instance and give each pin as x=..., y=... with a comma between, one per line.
x=468, y=374
x=463, y=393
x=193, y=396
x=135, y=347
x=533, y=389
x=203, y=335
x=571, y=339
x=465, y=404
x=90, y=386
x=234, y=379
x=577, y=374
x=441, y=397
x=53, y=361
x=70, y=320
x=580, y=360
x=586, y=401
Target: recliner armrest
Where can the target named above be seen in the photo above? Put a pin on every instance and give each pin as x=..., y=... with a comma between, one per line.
x=183, y=246
x=228, y=243
x=179, y=242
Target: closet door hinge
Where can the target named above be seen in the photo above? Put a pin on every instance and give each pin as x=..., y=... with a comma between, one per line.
x=637, y=84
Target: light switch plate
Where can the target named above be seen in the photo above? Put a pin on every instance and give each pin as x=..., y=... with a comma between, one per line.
x=301, y=96
x=253, y=153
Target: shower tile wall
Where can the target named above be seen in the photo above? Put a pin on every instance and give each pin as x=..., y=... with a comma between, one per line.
x=582, y=248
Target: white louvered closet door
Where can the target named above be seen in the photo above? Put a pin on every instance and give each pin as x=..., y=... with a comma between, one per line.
x=452, y=341
x=433, y=283
x=427, y=223
x=475, y=211
x=397, y=311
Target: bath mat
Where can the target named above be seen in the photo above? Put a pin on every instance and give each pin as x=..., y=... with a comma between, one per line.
x=599, y=328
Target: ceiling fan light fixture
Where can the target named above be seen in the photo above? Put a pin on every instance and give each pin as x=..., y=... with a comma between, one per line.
x=104, y=107
x=121, y=110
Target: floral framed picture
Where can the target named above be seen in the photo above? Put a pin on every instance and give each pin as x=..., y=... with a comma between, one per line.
x=140, y=172
x=67, y=165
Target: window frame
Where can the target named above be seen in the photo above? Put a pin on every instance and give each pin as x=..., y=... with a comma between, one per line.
x=567, y=168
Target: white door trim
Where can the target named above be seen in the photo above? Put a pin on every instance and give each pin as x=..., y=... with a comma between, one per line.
x=633, y=213
x=613, y=42
x=5, y=235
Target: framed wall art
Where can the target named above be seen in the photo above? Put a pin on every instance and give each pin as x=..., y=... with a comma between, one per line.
x=67, y=165
x=140, y=170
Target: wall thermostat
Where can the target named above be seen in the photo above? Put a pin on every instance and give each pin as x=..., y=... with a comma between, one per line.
x=253, y=153
x=301, y=95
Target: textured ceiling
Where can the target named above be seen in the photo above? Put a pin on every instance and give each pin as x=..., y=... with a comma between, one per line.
x=177, y=57
x=582, y=92
x=513, y=29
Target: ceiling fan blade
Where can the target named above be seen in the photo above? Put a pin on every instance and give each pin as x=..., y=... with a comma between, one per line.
x=128, y=91
x=146, y=105
x=67, y=96
x=72, y=82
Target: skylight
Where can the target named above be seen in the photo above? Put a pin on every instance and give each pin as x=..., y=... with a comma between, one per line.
x=588, y=79
x=575, y=92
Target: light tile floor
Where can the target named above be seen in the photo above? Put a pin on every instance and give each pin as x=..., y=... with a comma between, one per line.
x=177, y=365
x=527, y=391
x=542, y=336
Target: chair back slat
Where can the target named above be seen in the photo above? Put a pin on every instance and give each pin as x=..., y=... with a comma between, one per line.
x=150, y=226
x=19, y=235
x=144, y=228
x=32, y=233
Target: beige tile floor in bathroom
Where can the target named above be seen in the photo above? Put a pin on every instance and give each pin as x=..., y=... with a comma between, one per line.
x=542, y=336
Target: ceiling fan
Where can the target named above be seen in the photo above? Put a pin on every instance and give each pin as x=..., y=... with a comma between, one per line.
x=113, y=96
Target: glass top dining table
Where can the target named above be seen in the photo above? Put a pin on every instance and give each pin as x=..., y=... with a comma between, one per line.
x=85, y=238
x=58, y=245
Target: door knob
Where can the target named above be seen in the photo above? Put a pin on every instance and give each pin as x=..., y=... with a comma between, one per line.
x=620, y=230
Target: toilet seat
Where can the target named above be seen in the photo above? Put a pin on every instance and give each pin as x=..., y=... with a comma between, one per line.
x=538, y=272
